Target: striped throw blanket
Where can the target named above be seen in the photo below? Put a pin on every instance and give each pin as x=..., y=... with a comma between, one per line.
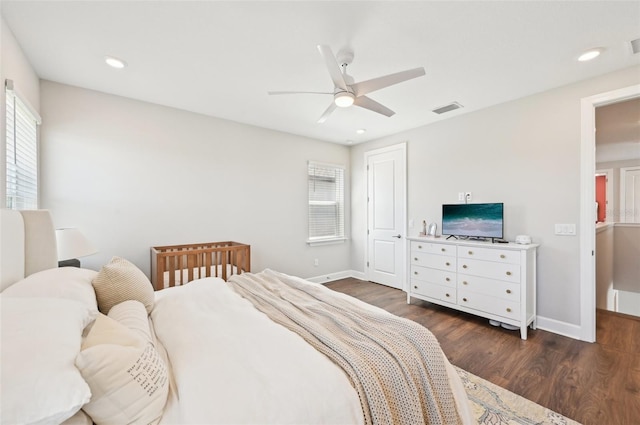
x=396, y=365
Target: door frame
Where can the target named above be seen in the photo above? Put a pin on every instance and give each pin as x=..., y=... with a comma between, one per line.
x=403, y=148
x=588, y=107
x=623, y=192
x=609, y=195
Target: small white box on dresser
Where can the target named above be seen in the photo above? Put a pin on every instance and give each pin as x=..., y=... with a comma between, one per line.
x=482, y=278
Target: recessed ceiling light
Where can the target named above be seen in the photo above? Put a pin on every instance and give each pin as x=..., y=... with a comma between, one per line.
x=115, y=62
x=349, y=142
x=590, y=54
x=361, y=130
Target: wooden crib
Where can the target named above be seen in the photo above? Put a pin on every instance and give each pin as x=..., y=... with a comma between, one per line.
x=178, y=264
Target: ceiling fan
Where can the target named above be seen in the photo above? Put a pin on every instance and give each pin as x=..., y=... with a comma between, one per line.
x=346, y=92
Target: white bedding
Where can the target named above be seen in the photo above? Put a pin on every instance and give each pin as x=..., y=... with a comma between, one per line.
x=182, y=275
x=234, y=365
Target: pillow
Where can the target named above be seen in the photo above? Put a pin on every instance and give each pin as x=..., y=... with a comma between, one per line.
x=120, y=281
x=66, y=282
x=80, y=418
x=39, y=341
x=133, y=315
x=128, y=379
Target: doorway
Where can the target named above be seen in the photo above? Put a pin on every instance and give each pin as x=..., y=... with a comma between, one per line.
x=386, y=170
x=588, y=212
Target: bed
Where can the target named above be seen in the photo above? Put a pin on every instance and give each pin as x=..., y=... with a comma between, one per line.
x=82, y=346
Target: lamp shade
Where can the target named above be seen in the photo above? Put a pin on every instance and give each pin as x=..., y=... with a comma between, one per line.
x=72, y=244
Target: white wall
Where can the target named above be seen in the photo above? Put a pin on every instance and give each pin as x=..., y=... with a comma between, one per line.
x=525, y=153
x=605, y=297
x=14, y=66
x=132, y=175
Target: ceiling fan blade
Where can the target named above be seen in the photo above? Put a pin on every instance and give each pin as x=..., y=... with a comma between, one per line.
x=298, y=92
x=326, y=113
x=372, y=105
x=374, y=84
x=332, y=66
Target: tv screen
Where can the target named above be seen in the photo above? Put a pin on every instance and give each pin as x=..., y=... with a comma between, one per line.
x=473, y=220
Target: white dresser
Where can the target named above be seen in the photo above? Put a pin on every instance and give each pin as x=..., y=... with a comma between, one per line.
x=496, y=281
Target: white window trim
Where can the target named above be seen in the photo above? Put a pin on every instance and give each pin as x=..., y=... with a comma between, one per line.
x=31, y=116
x=329, y=240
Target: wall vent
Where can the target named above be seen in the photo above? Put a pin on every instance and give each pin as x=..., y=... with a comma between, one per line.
x=446, y=108
x=635, y=45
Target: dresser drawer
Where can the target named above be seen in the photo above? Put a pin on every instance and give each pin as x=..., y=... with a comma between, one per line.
x=489, y=254
x=439, y=292
x=499, y=271
x=494, y=288
x=439, y=262
x=440, y=277
x=486, y=303
x=433, y=248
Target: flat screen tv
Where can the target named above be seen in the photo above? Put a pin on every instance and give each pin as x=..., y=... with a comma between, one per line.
x=473, y=220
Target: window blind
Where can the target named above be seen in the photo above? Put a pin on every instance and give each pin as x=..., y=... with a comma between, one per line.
x=326, y=202
x=21, y=151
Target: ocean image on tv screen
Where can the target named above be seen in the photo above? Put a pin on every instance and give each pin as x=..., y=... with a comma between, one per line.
x=476, y=220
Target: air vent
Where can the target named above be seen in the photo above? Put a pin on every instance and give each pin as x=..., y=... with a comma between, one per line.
x=446, y=108
x=635, y=45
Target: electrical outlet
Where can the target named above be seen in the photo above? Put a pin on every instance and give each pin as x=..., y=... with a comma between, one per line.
x=467, y=196
x=410, y=223
x=460, y=196
x=316, y=262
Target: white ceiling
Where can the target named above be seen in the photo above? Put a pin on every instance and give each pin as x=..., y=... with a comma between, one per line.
x=221, y=58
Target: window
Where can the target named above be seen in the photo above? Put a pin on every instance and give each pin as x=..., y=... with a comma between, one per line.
x=22, y=152
x=326, y=202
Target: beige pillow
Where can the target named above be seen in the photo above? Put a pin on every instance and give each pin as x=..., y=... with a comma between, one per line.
x=133, y=315
x=128, y=379
x=121, y=281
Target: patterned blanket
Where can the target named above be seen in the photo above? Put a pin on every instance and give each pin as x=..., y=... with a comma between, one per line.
x=395, y=365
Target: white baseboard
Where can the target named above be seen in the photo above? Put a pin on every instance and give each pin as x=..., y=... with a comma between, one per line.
x=336, y=276
x=557, y=327
x=544, y=323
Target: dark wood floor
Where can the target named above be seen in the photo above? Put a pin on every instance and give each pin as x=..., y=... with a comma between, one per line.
x=591, y=383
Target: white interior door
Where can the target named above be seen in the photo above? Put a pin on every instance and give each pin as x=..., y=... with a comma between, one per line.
x=386, y=212
x=630, y=194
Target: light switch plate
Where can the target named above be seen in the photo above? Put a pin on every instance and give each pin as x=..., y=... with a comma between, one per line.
x=565, y=229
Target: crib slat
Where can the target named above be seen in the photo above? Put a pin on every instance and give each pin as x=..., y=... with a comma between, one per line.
x=178, y=264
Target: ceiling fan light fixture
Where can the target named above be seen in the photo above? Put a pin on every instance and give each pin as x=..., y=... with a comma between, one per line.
x=344, y=99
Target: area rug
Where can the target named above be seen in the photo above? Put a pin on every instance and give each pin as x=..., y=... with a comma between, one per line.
x=494, y=405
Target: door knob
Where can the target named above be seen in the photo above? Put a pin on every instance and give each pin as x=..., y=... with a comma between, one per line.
x=397, y=236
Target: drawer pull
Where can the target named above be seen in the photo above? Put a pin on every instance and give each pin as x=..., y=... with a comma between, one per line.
x=415, y=287
x=464, y=299
x=470, y=252
x=508, y=273
x=508, y=310
x=416, y=273
x=447, y=295
x=447, y=279
x=415, y=258
x=447, y=263
x=464, y=266
x=508, y=291
x=419, y=246
x=464, y=282
x=503, y=256
x=442, y=249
